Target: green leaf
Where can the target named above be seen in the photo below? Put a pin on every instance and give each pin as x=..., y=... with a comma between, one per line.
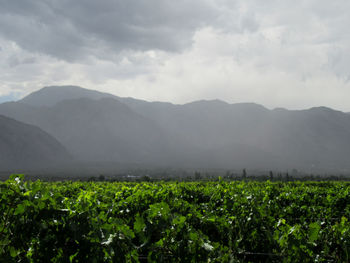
x=20, y=209
x=71, y=258
x=314, y=229
x=139, y=224
x=13, y=252
x=179, y=220
x=159, y=210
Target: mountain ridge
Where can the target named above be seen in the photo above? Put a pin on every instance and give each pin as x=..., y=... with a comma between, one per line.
x=73, y=91
x=206, y=133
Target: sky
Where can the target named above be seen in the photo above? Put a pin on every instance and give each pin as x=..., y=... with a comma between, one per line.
x=293, y=54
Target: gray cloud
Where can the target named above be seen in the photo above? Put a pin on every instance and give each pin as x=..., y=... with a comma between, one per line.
x=293, y=54
x=70, y=30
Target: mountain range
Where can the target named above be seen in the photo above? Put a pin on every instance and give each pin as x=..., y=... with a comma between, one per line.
x=90, y=126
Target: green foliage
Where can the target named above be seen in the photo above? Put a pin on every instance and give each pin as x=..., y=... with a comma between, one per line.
x=174, y=222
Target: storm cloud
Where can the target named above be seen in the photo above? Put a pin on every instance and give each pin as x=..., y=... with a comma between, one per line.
x=71, y=30
x=292, y=54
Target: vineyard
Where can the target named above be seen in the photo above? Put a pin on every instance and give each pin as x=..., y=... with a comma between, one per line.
x=214, y=221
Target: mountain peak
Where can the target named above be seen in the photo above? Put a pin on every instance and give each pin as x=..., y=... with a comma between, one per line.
x=321, y=108
x=51, y=95
x=205, y=102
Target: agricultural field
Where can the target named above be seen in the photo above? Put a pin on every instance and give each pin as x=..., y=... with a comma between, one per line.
x=214, y=221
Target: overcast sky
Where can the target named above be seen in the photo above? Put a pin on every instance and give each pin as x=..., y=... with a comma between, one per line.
x=292, y=53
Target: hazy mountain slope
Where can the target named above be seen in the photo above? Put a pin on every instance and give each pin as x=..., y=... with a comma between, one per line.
x=103, y=130
x=314, y=138
x=318, y=138
x=26, y=146
x=104, y=127
x=106, y=130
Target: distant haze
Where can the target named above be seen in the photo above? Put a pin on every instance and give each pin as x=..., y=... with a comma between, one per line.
x=92, y=127
x=291, y=54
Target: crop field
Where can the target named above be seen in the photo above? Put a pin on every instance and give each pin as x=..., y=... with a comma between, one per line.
x=214, y=221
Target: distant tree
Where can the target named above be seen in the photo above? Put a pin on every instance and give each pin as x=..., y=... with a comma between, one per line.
x=244, y=174
x=279, y=177
x=271, y=175
x=287, y=177
x=91, y=179
x=145, y=178
x=197, y=176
